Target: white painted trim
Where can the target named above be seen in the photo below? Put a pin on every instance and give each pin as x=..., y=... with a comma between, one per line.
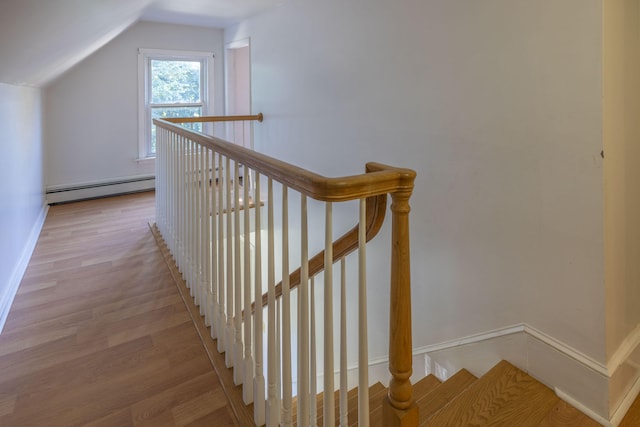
x=514, y=329
x=584, y=409
x=446, y=345
x=622, y=409
x=207, y=80
x=568, y=351
x=18, y=272
x=625, y=349
x=101, y=188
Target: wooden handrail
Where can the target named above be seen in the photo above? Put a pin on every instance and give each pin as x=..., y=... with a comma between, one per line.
x=343, y=246
x=381, y=179
x=208, y=119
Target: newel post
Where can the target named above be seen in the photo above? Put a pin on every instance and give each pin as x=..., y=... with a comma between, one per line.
x=399, y=408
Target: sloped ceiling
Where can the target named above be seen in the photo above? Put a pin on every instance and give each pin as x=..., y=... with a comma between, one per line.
x=41, y=39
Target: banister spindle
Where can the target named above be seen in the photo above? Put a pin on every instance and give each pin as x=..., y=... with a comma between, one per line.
x=287, y=418
x=201, y=234
x=238, y=364
x=328, y=396
x=344, y=388
x=247, y=389
x=222, y=319
x=230, y=332
x=363, y=339
x=205, y=240
x=213, y=244
x=258, y=382
x=313, y=370
x=303, y=320
x=398, y=407
x=273, y=411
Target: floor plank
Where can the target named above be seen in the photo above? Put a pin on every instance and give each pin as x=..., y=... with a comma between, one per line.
x=98, y=334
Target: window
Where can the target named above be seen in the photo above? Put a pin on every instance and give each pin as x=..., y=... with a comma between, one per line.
x=172, y=84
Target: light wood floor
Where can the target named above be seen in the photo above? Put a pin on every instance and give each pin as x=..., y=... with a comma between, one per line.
x=98, y=334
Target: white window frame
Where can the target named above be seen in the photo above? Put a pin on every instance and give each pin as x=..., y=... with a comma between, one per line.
x=145, y=56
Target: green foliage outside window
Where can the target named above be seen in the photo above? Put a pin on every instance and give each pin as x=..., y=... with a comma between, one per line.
x=175, y=82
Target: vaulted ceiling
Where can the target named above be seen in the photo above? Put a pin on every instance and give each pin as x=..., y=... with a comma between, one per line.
x=41, y=39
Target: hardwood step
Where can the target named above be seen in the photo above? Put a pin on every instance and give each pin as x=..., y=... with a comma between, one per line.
x=375, y=399
x=420, y=389
x=352, y=402
x=504, y=396
x=429, y=404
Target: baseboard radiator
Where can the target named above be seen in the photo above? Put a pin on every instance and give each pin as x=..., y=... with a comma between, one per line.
x=71, y=193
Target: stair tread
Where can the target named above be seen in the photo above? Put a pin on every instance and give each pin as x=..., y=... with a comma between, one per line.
x=504, y=396
x=565, y=415
x=425, y=386
x=375, y=390
x=429, y=404
x=375, y=400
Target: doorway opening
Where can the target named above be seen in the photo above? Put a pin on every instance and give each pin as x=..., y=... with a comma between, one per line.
x=238, y=83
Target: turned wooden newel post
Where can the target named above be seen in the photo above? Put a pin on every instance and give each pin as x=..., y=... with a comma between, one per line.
x=399, y=409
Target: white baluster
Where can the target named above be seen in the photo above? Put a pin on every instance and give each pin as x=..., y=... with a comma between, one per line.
x=205, y=217
x=230, y=332
x=363, y=350
x=190, y=239
x=313, y=371
x=287, y=418
x=344, y=388
x=258, y=388
x=303, y=320
x=329, y=402
x=238, y=361
x=200, y=252
x=222, y=319
x=213, y=245
x=273, y=412
x=247, y=390
x=278, y=404
x=181, y=206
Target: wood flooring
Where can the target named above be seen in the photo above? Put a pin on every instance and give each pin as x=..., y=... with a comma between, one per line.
x=98, y=334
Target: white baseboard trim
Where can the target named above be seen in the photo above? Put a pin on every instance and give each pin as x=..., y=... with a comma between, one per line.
x=6, y=299
x=568, y=351
x=471, y=339
x=621, y=411
x=514, y=329
x=622, y=354
x=584, y=409
x=94, y=189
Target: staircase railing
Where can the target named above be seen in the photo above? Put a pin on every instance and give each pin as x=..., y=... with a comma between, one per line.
x=212, y=197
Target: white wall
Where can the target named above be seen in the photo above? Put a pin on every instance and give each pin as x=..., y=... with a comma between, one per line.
x=22, y=209
x=497, y=106
x=91, y=127
x=621, y=191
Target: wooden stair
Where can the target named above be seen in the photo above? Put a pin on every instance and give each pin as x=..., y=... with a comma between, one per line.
x=504, y=396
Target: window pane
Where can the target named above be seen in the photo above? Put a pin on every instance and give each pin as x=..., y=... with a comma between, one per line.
x=175, y=81
x=172, y=112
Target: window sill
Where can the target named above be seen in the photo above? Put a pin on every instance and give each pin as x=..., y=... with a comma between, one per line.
x=145, y=159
